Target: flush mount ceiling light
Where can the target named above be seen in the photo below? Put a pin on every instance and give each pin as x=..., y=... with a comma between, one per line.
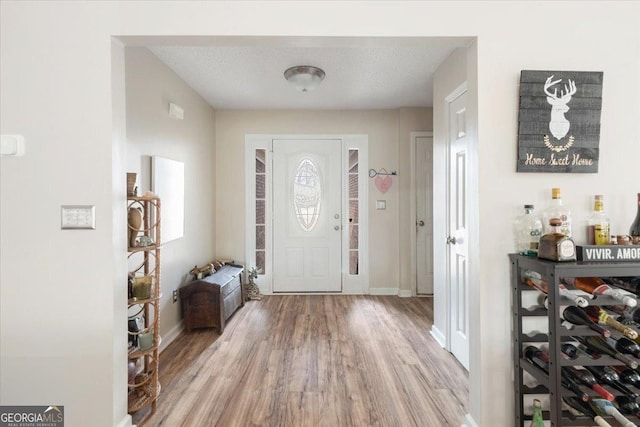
x=305, y=78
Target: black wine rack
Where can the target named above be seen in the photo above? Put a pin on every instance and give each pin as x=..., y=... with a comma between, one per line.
x=550, y=384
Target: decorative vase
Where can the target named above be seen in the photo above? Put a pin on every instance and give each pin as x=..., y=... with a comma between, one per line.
x=134, y=219
x=131, y=183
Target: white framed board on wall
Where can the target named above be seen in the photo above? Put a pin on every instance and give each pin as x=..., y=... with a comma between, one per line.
x=168, y=184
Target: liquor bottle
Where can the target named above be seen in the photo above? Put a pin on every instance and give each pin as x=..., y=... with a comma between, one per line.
x=599, y=315
x=528, y=229
x=630, y=284
x=555, y=209
x=596, y=286
x=586, y=409
x=577, y=316
x=537, y=420
x=538, y=358
x=604, y=407
x=555, y=245
x=584, y=377
x=535, y=280
x=607, y=375
x=634, y=230
x=625, y=345
x=601, y=346
x=628, y=406
x=628, y=375
x=598, y=224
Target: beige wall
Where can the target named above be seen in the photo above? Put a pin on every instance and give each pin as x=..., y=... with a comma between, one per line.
x=150, y=86
x=388, y=131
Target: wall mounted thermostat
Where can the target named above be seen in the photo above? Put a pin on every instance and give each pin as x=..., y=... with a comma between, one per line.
x=78, y=217
x=11, y=145
x=381, y=205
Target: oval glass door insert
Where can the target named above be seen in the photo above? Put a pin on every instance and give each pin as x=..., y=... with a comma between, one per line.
x=307, y=194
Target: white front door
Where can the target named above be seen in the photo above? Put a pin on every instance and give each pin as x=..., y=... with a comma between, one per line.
x=424, y=230
x=458, y=229
x=307, y=215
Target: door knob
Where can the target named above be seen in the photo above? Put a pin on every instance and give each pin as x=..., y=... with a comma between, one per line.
x=451, y=240
x=420, y=223
x=337, y=227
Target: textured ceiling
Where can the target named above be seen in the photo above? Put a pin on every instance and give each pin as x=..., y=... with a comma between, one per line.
x=360, y=73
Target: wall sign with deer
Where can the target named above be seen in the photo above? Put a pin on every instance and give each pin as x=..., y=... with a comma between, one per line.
x=559, y=121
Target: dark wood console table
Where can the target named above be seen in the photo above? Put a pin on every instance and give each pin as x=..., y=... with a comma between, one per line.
x=210, y=301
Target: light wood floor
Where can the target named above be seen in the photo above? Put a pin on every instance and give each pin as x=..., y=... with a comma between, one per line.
x=314, y=360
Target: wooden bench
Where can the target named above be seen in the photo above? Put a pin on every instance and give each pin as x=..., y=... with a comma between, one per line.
x=210, y=301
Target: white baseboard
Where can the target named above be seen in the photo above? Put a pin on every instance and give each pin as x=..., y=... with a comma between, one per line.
x=383, y=291
x=171, y=335
x=469, y=422
x=439, y=336
x=126, y=422
x=405, y=293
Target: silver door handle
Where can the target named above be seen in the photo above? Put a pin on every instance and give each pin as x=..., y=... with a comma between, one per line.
x=420, y=223
x=451, y=240
x=337, y=227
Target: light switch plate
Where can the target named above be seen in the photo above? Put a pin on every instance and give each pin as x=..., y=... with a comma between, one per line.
x=78, y=217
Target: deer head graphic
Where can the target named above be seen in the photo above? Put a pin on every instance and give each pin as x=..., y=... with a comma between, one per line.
x=559, y=125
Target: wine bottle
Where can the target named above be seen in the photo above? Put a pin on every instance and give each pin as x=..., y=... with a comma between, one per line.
x=538, y=358
x=584, y=377
x=628, y=375
x=602, y=317
x=569, y=350
x=607, y=375
x=604, y=407
x=535, y=280
x=625, y=345
x=601, y=346
x=528, y=229
x=630, y=284
x=537, y=420
x=577, y=316
x=634, y=230
x=596, y=286
x=586, y=409
x=598, y=224
x=628, y=406
x=555, y=209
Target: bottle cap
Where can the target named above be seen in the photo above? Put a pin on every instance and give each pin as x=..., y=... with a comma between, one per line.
x=555, y=222
x=598, y=197
x=555, y=193
x=528, y=206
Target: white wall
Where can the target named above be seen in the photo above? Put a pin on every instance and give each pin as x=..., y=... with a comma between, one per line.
x=150, y=86
x=56, y=89
x=385, y=136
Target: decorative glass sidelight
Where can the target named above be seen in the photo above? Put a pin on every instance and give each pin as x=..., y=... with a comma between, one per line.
x=260, y=175
x=307, y=194
x=352, y=176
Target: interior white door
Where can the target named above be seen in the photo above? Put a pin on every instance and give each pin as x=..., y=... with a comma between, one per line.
x=458, y=229
x=424, y=218
x=307, y=215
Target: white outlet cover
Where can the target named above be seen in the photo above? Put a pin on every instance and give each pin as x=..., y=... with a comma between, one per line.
x=78, y=217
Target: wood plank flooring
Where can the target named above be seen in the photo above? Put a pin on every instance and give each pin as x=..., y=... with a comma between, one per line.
x=314, y=360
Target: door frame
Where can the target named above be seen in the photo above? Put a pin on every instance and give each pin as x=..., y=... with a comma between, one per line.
x=351, y=284
x=412, y=209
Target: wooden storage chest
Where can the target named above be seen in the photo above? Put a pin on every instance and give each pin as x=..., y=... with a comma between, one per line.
x=210, y=301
